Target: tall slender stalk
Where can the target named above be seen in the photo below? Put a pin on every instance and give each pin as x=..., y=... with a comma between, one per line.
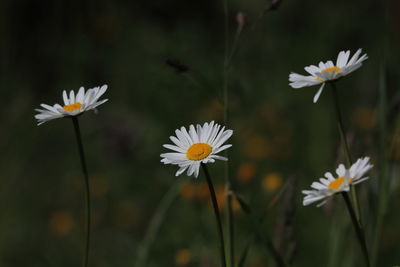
x=345, y=147
x=216, y=212
x=155, y=223
x=359, y=231
x=385, y=162
x=85, y=259
x=227, y=59
x=258, y=235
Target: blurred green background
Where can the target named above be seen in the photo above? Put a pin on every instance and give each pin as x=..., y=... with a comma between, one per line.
x=279, y=134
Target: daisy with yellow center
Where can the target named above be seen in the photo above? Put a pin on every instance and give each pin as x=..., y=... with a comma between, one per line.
x=73, y=104
x=330, y=185
x=196, y=146
x=326, y=72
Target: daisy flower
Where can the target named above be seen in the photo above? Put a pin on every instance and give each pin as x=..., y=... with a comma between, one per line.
x=330, y=185
x=198, y=145
x=326, y=72
x=73, y=105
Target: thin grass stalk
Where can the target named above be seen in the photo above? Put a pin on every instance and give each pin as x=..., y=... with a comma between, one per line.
x=336, y=241
x=346, y=150
x=243, y=257
x=216, y=213
x=229, y=212
x=383, y=181
x=155, y=223
x=243, y=205
x=265, y=240
x=359, y=231
x=85, y=260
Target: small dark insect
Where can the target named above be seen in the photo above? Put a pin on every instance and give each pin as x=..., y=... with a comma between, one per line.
x=274, y=4
x=177, y=65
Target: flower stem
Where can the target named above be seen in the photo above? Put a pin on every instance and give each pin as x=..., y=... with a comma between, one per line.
x=85, y=260
x=357, y=228
x=216, y=212
x=340, y=125
x=345, y=149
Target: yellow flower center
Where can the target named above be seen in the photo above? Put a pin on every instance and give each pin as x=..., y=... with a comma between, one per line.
x=72, y=107
x=198, y=151
x=335, y=185
x=331, y=69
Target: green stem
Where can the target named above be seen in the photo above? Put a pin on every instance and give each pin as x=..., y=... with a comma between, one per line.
x=345, y=149
x=340, y=126
x=258, y=235
x=231, y=230
x=155, y=223
x=85, y=260
x=227, y=59
x=385, y=163
x=216, y=213
x=357, y=227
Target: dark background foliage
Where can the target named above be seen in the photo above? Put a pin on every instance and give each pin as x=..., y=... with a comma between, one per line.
x=50, y=46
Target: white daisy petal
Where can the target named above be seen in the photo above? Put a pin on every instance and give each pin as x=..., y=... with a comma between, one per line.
x=222, y=148
x=341, y=170
x=182, y=138
x=175, y=148
x=355, y=57
x=177, y=142
x=318, y=94
x=312, y=69
x=181, y=170
x=186, y=135
x=222, y=139
x=80, y=95
x=72, y=96
x=65, y=97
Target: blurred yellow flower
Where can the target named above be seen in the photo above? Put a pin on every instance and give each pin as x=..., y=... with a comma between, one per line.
x=183, y=257
x=222, y=194
x=256, y=146
x=61, y=223
x=270, y=115
x=213, y=109
x=282, y=146
x=202, y=192
x=246, y=171
x=364, y=118
x=99, y=186
x=396, y=143
x=126, y=214
x=272, y=182
x=188, y=191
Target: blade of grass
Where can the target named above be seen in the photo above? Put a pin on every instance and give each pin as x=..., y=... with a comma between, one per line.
x=385, y=158
x=155, y=223
x=243, y=257
x=357, y=228
x=265, y=240
x=270, y=206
